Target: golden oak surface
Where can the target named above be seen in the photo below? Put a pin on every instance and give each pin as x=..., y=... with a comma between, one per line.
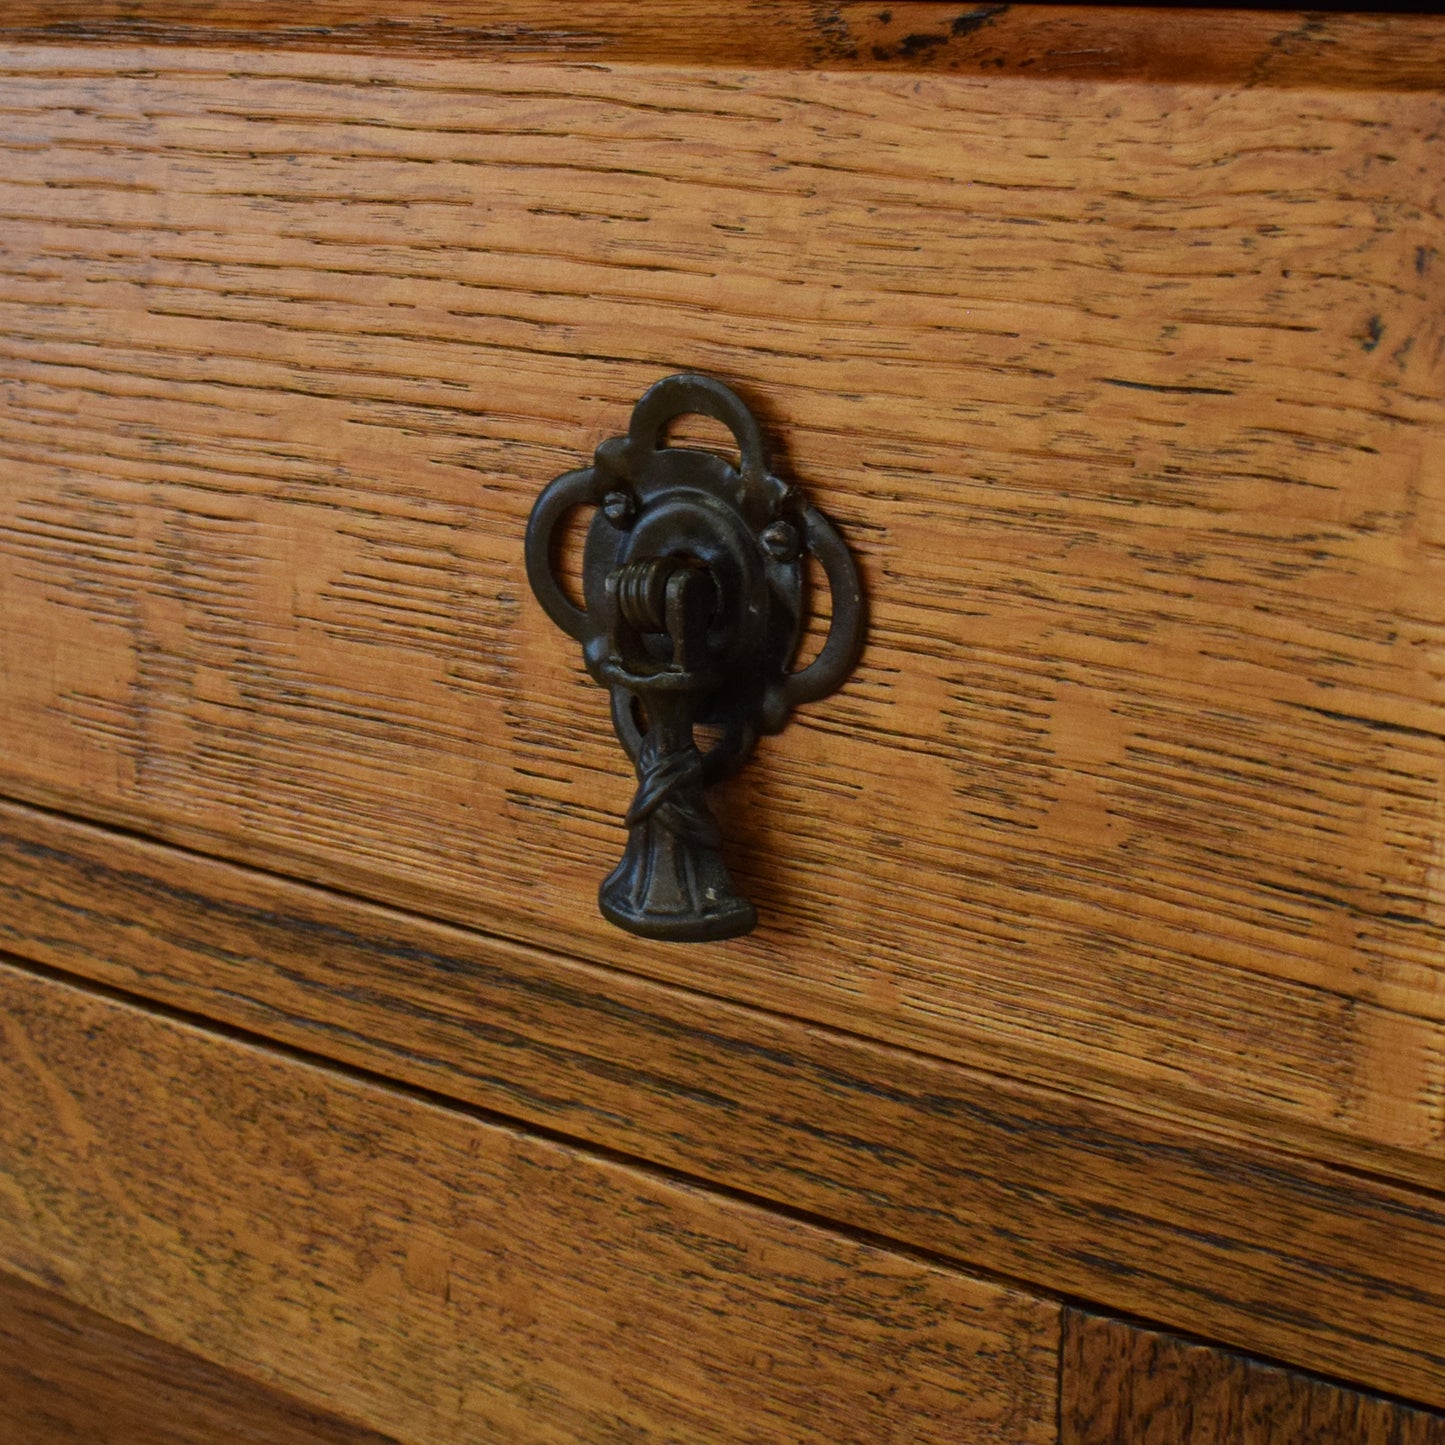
x=69, y=1376
x=447, y=1278
x=1102, y=911
x=1277, y=1254
x=1130, y=416
x=1122, y=1385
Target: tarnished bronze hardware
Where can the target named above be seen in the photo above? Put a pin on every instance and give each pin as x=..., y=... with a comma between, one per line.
x=692, y=576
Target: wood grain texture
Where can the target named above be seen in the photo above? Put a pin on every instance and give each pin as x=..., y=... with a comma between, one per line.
x=446, y=1279
x=69, y=1376
x=1129, y=397
x=1121, y=1385
x=1220, y=47
x=1278, y=1255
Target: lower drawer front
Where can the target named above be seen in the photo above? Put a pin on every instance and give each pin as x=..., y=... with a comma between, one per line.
x=69, y=1376
x=444, y=1278
x=1087, y=1200
x=292, y=1249
x=1123, y=1385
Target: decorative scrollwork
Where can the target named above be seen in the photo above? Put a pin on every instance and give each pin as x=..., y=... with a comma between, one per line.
x=693, y=582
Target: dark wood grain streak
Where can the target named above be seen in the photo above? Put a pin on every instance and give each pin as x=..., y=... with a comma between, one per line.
x=69, y=1376
x=1277, y=1254
x=1130, y=415
x=447, y=1279
x=1075, y=42
x=1122, y=1385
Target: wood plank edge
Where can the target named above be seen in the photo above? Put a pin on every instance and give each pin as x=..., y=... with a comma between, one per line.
x=69, y=1372
x=1084, y=1377
x=1272, y=48
x=1202, y=1113
x=641, y=1164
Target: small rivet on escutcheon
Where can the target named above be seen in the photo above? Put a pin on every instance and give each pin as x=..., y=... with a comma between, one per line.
x=620, y=508
x=780, y=541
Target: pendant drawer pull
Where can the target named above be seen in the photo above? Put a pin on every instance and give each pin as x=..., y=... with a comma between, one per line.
x=693, y=583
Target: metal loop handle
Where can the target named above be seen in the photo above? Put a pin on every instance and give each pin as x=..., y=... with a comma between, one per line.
x=574, y=489
x=846, y=629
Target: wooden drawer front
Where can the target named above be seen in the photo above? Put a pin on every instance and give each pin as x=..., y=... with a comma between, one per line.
x=1128, y=395
x=69, y=1376
x=1280, y=1255
x=443, y=1278
x=1121, y=1385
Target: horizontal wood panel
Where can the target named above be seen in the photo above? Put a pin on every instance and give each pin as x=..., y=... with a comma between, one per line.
x=1133, y=417
x=1122, y=1385
x=1219, y=1236
x=447, y=1279
x=1076, y=42
x=69, y=1376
